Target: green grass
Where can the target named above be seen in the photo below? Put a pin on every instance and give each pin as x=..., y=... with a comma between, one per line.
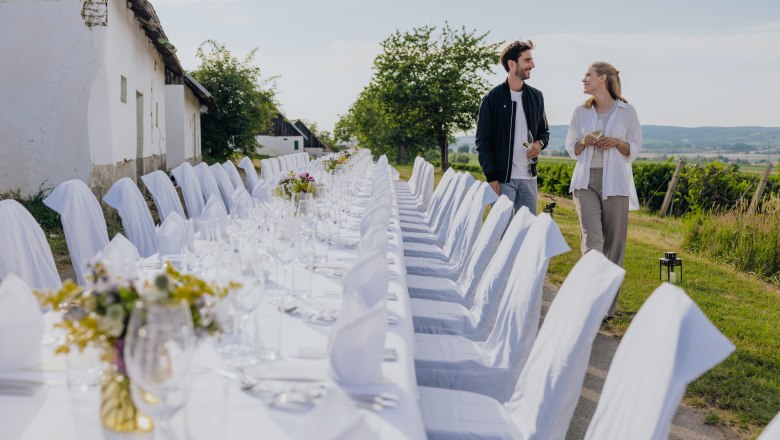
x=744, y=390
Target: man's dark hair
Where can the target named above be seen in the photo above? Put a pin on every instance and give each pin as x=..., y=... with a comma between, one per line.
x=513, y=52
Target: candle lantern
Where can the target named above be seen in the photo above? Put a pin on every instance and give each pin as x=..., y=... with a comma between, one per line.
x=670, y=261
x=548, y=208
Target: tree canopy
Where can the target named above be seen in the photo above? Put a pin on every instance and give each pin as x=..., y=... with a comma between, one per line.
x=246, y=100
x=427, y=85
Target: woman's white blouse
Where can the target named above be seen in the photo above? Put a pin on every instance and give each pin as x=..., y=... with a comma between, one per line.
x=618, y=179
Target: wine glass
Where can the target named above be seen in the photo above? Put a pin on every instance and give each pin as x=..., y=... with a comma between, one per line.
x=598, y=129
x=158, y=351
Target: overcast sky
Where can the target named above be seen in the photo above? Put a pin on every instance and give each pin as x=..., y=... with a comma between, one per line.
x=687, y=63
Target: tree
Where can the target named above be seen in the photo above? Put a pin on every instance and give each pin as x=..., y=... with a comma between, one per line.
x=431, y=83
x=464, y=149
x=245, y=99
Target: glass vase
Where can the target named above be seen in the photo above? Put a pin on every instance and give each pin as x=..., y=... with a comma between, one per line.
x=117, y=409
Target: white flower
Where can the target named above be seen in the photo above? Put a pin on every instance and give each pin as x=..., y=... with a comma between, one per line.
x=113, y=323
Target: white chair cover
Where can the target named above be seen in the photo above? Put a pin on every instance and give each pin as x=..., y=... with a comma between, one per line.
x=223, y=182
x=414, y=217
x=357, y=342
x=208, y=183
x=276, y=167
x=265, y=169
x=82, y=222
x=137, y=222
x=163, y=193
x=233, y=173
x=25, y=251
x=21, y=325
x=447, y=215
x=250, y=171
x=466, y=276
x=550, y=384
x=443, y=313
x=452, y=361
x=669, y=343
x=190, y=188
x=426, y=188
x=772, y=430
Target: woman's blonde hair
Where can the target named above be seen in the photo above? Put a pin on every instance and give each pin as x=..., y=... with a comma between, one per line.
x=613, y=81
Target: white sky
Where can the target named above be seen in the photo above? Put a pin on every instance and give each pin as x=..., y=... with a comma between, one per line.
x=682, y=62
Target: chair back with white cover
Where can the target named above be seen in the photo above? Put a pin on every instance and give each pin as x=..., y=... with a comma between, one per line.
x=426, y=186
x=250, y=171
x=463, y=232
x=173, y=235
x=772, y=430
x=223, y=182
x=447, y=179
x=485, y=245
x=82, y=222
x=276, y=167
x=265, y=168
x=163, y=193
x=669, y=343
x=216, y=210
x=357, y=342
x=21, y=326
x=120, y=257
x=232, y=172
x=25, y=251
x=492, y=284
x=549, y=386
x=455, y=199
x=514, y=332
x=415, y=177
x=208, y=183
x=190, y=188
x=126, y=198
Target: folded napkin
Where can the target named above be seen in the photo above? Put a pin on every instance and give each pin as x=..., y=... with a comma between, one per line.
x=374, y=240
x=172, y=235
x=336, y=418
x=379, y=214
x=215, y=209
x=120, y=256
x=357, y=343
x=21, y=325
x=240, y=197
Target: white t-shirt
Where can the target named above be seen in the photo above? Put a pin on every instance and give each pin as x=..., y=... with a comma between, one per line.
x=519, y=162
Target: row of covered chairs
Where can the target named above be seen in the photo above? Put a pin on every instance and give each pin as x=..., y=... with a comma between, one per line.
x=486, y=369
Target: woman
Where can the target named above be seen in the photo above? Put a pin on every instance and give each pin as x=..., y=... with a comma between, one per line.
x=605, y=137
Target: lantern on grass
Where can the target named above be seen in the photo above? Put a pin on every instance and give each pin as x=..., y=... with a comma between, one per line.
x=670, y=261
x=548, y=208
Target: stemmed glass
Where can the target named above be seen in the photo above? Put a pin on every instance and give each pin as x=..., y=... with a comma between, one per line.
x=158, y=351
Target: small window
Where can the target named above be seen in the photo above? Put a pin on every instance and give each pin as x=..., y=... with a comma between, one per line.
x=295, y=145
x=123, y=92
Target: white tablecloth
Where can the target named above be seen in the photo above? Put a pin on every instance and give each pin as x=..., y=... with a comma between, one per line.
x=217, y=408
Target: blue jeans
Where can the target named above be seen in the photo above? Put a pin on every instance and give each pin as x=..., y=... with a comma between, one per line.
x=522, y=192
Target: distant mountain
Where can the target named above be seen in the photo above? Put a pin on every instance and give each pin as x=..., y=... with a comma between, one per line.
x=668, y=139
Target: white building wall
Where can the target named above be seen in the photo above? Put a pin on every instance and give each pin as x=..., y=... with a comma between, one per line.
x=279, y=146
x=51, y=60
x=60, y=111
x=192, y=147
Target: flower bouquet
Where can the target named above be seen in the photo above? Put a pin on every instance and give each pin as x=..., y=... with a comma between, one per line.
x=99, y=317
x=292, y=184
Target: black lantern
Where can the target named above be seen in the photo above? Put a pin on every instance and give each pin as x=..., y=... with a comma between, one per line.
x=670, y=261
x=548, y=208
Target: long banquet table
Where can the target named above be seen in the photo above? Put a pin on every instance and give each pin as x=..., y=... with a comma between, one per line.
x=217, y=408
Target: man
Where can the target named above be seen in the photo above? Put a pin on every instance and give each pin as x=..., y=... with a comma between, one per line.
x=511, y=115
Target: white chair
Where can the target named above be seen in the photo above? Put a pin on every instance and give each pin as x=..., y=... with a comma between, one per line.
x=265, y=169
x=137, y=222
x=462, y=279
x=448, y=213
x=276, y=167
x=190, y=188
x=232, y=172
x=408, y=189
x=208, y=183
x=443, y=311
x=223, y=182
x=453, y=361
x=250, y=171
x=669, y=343
x=82, y=222
x=25, y=251
x=548, y=388
x=163, y=193
x=414, y=216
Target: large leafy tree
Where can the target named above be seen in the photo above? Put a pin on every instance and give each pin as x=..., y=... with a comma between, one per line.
x=246, y=101
x=427, y=85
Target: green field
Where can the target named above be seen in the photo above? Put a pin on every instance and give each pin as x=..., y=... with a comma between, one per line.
x=743, y=391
